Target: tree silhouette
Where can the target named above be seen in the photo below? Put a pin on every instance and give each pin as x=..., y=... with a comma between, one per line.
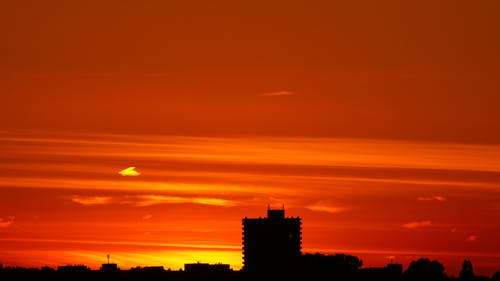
x=424, y=269
x=467, y=274
x=496, y=276
x=337, y=266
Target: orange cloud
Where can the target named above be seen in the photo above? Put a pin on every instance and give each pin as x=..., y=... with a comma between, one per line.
x=130, y=171
x=7, y=222
x=148, y=200
x=91, y=200
x=417, y=224
x=279, y=93
x=472, y=238
x=320, y=207
x=432, y=198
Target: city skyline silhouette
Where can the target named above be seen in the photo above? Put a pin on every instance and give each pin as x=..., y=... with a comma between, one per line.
x=271, y=249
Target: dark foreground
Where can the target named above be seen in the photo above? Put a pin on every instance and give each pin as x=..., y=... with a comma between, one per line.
x=165, y=275
x=337, y=267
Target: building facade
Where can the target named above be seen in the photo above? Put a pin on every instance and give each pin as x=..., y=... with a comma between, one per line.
x=272, y=243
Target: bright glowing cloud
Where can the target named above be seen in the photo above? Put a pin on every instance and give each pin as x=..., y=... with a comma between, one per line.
x=472, y=238
x=279, y=93
x=7, y=222
x=147, y=217
x=130, y=171
x=431, y=198
x=417, y=224
x=91, y=200
x=320, y=207
x=148, y=200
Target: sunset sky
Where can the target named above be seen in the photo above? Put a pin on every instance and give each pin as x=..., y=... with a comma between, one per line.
x=376, y=122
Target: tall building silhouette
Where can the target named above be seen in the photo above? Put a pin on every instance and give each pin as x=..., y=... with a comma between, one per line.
x=272, y=243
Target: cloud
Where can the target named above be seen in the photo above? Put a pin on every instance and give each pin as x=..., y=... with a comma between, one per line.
x=91, y=200
x=148, y=200
x=130, y=171
x=320, y=207
x=6, y=222
x=472, y=238
x=147, y=217
x=280, y=93
x=431, y=198
x=416, y=224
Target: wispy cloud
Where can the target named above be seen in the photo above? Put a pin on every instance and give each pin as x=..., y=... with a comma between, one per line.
x=322, y=207
x=130, y=171
x=91, y=200
x=148, y=200
x=431, y=198
x=417, y=224
x=6, y=222
x=147, y=217
x=472, y=238
x=279, y=93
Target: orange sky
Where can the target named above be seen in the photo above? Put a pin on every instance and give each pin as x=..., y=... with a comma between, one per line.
x=376, y=122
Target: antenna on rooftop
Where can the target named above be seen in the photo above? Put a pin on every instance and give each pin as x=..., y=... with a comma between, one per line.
x=108, y=258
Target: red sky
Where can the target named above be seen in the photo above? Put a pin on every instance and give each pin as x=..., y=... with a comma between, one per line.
x=376, y=122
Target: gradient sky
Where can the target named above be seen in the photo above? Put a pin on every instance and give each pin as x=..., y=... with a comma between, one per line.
x=377, y=122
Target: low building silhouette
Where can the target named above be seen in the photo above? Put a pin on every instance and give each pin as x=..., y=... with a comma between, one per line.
x=206, y=268
x=109, y=267
x=77, y=268
x=156, y=268
x=271, y=244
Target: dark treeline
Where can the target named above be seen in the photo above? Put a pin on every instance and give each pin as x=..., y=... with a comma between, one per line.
x=307, y=267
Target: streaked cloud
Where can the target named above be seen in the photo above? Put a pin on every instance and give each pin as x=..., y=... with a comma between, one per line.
x=417, y=224
x=91, y=200
x=130, y=171
x=308, y=151
x=279, y=93
x=147, y=217
x=65, y=183
x=6, y=222
x=431, y=198
x=472, y=238
x=135, y=243
x=321, y=207
x=148, y=200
